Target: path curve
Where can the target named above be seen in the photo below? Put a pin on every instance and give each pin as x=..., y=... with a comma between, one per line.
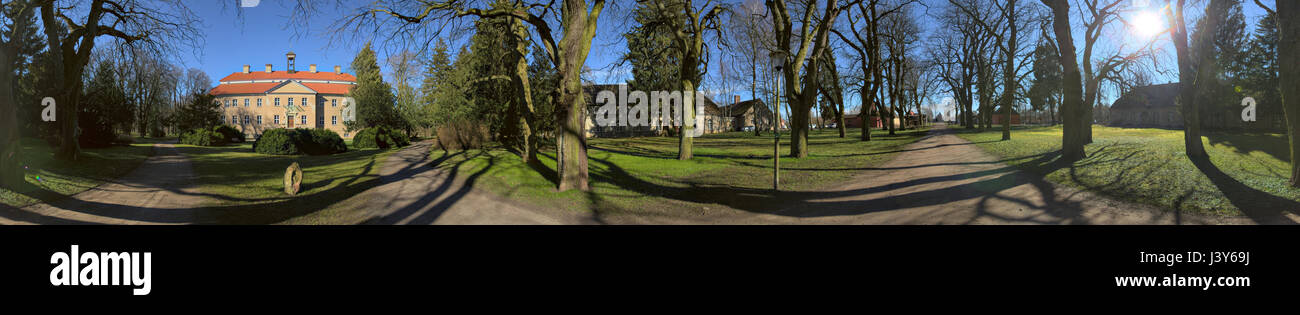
x=414, y=192
x=159, y=191
x=944, y=179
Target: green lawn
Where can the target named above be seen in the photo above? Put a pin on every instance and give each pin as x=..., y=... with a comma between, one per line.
x=251, y=185
x=1249, y=171
x=644, y=175
x=50, y=179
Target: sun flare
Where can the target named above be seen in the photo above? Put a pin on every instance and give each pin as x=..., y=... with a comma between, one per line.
x=1148, y=24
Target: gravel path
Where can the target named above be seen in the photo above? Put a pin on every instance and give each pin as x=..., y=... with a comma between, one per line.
x=159, y=191
x=415, y=193
x=941, y=179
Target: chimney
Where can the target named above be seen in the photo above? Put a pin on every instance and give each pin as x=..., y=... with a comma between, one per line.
x=268, y=68
x=312, y=67
x=737, y=100
x=338, y=70
x=245, y=68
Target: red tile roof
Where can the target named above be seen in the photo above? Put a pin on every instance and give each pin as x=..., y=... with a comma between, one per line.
x=243, y=88
x=329, y=88
x=301, y=75
x=257, y=88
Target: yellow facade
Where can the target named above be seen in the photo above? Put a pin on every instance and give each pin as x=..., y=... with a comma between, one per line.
x=258, y=112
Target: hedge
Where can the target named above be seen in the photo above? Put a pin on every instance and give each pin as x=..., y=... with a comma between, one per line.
x=282, y=141
x=229, y=133
x=379, y=138
x=202, y=137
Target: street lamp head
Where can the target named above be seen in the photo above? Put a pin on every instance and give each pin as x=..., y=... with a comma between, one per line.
x=778, y=59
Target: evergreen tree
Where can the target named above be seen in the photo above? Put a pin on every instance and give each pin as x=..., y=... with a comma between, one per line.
x=199, y=111
x=544, y=80
x=650, y=50
x=1045, y=89
x=375, y=99
x=490, y=93
x=103, y=107
x=1260, y=79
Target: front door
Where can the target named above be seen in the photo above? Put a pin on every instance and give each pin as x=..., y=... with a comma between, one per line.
x=290, y=121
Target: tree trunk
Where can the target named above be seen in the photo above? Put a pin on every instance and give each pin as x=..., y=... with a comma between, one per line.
x=524, y=106
x=1190, y=78
x=864, y=114
x=1288, y=49
x=1008, y=75
x=571, y=114
x=687, y=134
x=839, y=117
x=1072, y=84
x=753, y=95
x=11, y=171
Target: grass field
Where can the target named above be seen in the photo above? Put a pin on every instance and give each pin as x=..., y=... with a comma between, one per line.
x=644, y=175
x=50, y=179
x=1249, y=171
x=235, y=177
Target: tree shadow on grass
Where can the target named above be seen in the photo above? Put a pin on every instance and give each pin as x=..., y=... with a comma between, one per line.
x=1261, y=207
x=808, y=204
x=1274, y=145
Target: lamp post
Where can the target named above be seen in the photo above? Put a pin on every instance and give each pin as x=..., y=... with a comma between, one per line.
x=778, y=64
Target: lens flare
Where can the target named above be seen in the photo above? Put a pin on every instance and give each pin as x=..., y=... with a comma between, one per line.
x=1148, y=24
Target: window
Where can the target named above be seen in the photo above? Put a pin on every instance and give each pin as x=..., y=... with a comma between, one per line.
x=277, y=119
x=334, y=120
x=245, y=102
x=345, y=134
x=277, y=102
x=290, y=101
x=229, y=103
x=259, y=102
x=320, y=121
x=304, y=103
x=234, y=120
x=304, y=119
x=259, y=119
x=334, y=103
x=245, y=119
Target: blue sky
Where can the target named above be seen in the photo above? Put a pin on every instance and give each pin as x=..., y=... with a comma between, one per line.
x=264, y=36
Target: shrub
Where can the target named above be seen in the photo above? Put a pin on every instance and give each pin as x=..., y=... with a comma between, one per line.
x=379, y=137
x=229, y=133
x=282, y=141
x=277, y=141
x=461, y=136
x=202, y=137
x=319, y=141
